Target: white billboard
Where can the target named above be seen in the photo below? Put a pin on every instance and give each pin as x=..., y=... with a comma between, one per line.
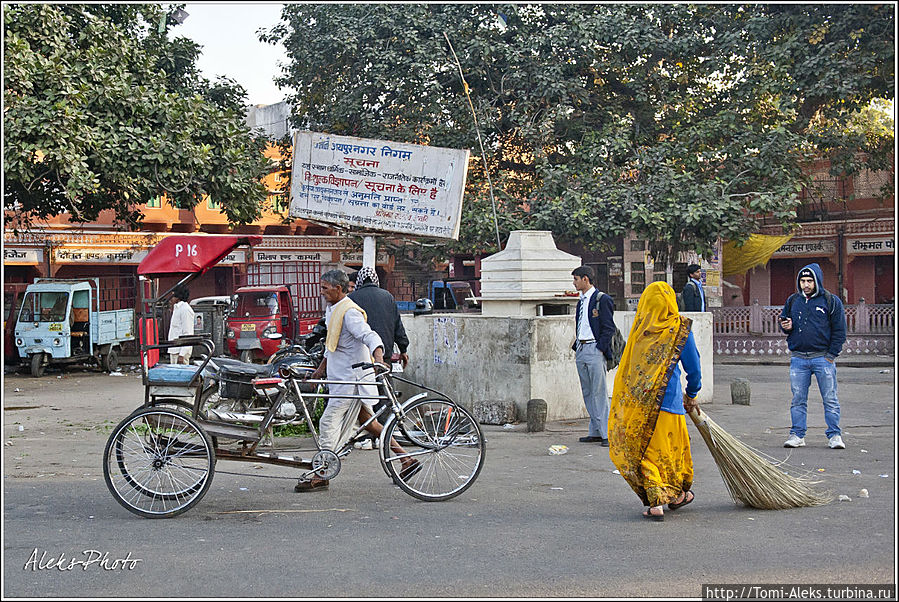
x=378, y=185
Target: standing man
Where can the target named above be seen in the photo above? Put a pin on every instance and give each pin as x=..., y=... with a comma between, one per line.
x=594, y=328
x=815, y=323
x=349, y=341
x=383, y=314
x=693, y=295
x=182, y=324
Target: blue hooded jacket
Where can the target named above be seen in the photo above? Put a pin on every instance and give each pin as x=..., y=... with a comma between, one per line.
x=816, y=329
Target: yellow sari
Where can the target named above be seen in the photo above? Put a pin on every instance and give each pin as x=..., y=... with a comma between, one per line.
x=651, y=448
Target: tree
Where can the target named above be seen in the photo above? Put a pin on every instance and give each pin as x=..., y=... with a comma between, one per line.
x=103, y=111
x=682, y=123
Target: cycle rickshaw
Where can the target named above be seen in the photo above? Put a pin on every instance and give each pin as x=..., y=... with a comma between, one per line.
x=160, y=460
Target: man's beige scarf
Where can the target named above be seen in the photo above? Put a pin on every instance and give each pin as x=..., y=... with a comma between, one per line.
x=336, y=323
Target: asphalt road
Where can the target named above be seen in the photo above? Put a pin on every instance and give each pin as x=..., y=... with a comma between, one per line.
x=533, y=525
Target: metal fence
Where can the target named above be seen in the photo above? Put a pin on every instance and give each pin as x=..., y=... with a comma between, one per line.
x=755, y=330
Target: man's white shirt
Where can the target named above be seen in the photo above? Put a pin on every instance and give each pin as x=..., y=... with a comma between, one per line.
x=584, y=332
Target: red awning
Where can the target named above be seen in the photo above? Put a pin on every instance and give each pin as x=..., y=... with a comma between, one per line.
x=190, y=254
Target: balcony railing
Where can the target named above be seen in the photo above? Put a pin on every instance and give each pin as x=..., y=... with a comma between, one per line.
x=755, y=330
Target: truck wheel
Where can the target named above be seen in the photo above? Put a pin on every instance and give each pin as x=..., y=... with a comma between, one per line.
x=111, y=361
x=246, y=356
x=37, y=365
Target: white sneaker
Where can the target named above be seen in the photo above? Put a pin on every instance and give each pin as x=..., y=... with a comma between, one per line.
x=366, y=444
x=795, y=441
x=836, y=442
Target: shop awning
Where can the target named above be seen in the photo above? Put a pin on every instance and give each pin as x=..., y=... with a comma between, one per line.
x=190, y=254
x=757, y=250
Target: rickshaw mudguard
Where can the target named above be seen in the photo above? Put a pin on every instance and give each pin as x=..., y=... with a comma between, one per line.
x=391, y=420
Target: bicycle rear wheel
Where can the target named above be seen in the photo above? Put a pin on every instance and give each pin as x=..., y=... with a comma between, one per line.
x=158, y=463
x=446, y=442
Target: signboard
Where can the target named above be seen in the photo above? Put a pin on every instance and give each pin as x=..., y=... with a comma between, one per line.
x=22, y=256
x=356, y=258
x=806, y=247
x=266, y=256
x=378, y=185
x=874, y=246
x=98, y=255
x=234, y=257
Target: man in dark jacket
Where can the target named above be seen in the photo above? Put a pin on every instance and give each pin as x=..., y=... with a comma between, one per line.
x=383, y=314
x=693, y=295
x=383, y=317
x=593, y=329
x=815, y=323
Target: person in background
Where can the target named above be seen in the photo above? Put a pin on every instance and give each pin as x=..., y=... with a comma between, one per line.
x=182, y=324
x=648, y=438
x=693, y=294
x=594, y=327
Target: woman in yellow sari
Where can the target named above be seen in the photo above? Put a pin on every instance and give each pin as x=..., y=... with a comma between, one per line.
x=647, y=420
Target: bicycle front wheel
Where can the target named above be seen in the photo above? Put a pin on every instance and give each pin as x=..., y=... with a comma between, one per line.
x=443, y=450
x=158, y=463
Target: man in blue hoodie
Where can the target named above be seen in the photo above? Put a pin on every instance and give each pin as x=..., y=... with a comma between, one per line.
x=815, y=323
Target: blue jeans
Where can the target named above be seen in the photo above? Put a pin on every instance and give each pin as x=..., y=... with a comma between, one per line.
x=801, y=370
x=591, y=368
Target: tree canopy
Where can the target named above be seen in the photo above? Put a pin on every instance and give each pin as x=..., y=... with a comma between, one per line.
x=104, y=111
x=683, y=123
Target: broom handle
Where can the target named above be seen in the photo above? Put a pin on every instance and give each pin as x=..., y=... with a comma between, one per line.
x=697, y=415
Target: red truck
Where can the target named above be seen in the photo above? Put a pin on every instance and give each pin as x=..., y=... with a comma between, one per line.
x=259, y=311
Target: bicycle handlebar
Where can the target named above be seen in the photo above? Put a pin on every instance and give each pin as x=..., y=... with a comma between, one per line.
x=376, y=365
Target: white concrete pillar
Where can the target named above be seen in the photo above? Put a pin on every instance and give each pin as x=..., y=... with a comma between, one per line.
x=368, y=252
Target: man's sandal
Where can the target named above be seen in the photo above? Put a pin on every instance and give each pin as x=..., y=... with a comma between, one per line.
x=411, y=470
x=303, y=486
x=656, y=517
x=687, y=500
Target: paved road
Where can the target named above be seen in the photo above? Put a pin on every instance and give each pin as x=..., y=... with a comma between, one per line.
x=532, y=525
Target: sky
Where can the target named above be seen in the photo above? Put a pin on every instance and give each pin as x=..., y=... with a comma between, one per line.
x=227, y=32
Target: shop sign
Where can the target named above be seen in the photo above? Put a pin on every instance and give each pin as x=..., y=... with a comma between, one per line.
x=874, y=246
x=13, y=256
x=98, y=255
x=234, y=257
x=356, y=258
x=378, y=185
x=806, y=247
x=616, y=269
x=267, y=256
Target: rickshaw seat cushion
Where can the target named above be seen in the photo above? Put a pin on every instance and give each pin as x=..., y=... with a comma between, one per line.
x=171, y=374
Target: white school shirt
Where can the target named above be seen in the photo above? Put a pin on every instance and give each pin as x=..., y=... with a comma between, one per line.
x=584, y=332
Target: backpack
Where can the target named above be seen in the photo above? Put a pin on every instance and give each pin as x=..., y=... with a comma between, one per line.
x=616, y=346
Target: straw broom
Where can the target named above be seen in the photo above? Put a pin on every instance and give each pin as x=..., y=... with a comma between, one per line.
x=749, y=477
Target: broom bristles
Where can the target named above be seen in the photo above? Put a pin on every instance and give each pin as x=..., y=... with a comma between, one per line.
x=752, y=479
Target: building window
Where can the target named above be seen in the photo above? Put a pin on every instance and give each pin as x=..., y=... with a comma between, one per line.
x=638, y=272
x=154, y=203
x=638, y=245
x=660, y=277
x=277, y=201
x=213, y=205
